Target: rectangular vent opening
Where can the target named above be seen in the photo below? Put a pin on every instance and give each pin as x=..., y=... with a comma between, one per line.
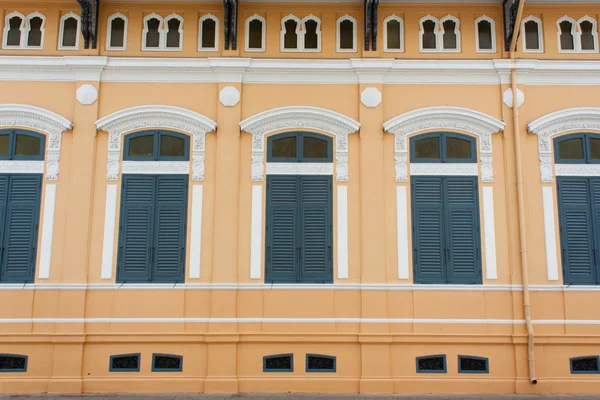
x=13, y=363
x=320, y=363
x=166, y=363
x=473, y=365
x=431, y=364
x=125, y=363
x=585, y=365
x=278, y=363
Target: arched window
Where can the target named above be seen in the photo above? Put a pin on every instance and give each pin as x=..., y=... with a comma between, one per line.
x=256, y=33
x=566, y=34
x=69, y=32
x=117, y=32
x=451, y=33
x=531, y=29
x=174, y=32
x=22, y=32
x=311, y=28
x=157, y=146
x=588, y=35
x=485, y=38
x=290, y=37
x=428, y=36
x=153, y=27
x=299, y=147
x=208, y=33
x=35, y=30
x=393, y=34
x=14, y=30
x=346, y=34
x=163, y=34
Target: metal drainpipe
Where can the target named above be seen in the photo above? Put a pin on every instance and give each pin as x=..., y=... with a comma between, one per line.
x=521, y=202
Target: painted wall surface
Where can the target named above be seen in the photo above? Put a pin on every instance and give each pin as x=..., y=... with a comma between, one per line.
x=375, y=321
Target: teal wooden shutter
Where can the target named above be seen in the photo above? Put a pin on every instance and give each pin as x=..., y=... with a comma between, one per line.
x=282, y=228
x=136, y=227
x=576, y=230
x=21, y=228
x=315, y=229
x=428, y=229
x=170, y=228
x=462, y=230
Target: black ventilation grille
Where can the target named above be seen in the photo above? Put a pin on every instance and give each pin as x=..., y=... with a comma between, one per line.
x=167, y=363
x=13, y=363
x=431, y=364
x=585, y=365
x=473, y=365
x=278, y=363
x=319, y=363
x=125, y=363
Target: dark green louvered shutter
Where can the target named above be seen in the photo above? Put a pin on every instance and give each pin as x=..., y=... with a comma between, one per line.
x=576, y=228
x=315, y=229
x=136, y=227
x=170, y=228
x=462, y=230
x=428, y=229
x=21, y=218
x=4, y=183
x=282, y=228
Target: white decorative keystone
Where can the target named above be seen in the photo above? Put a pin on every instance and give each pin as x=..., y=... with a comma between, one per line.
x=370, y=97
x=229, y=96
x=507, y=98
x=87, y=94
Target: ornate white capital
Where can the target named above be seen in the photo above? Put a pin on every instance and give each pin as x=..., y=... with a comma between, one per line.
x=299, y=117
x=39, y=119
x=158, y=117
x=452, y=118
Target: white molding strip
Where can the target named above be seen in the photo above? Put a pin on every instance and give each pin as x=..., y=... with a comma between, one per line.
x=342, y=231
x=489, y=230
x=564, y=288
x=402, y=231
x=436, y=169
x=47, y=231
x=256, y=232
x=196, y=232
x=550, y=233
x=577, y=169
x=21, y=167
x=156, y=167
x=108, y=245
x=274, y=168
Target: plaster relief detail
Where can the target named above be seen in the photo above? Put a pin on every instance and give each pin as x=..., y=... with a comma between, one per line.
x=87, y=94
x=229, y=96
x=370, y=97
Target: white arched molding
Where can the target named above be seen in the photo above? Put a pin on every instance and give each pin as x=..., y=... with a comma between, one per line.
x=386, y=33
x=485, y=18
x=299, y=117
x=155, y=117
x=22, y=31
x=166, y=31
x=558, y=122
x=587, y=18
x=61, y=34
x=298, y=32
x=573, y=34
x=39, y=119
x=109, y=31
x=540, y=34
x=453, y=118
x=436, y=32
x=263, y=34
x=318, y=32
x=200, y=31
x=338, y=34
x=456, y=32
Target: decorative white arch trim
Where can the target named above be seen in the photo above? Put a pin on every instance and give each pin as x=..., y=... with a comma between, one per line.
x=40, y=119
x=456, y=32
x=436, y=32
x=299, y=35
x=318, y=32
x=41, y=16
x=263, y=35
x=166, y=31
x=573, y=33
x=455, y=118
x=63, y=19
x=22, y=30
x=338, y=34
x=540, y=32
x=587, y=18
x=299, y=117
x=400, y=21
x=110, y=30
x=132, y=119
x=558, y=122
x=161, y=30
x=200, y=26
x=493, y=33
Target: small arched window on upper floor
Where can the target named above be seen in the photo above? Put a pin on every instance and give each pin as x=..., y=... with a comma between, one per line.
x=156, y=146
x=566, y=34
x=22, y=32
x=588, y=34
x=174, y=32
x=256, y=33
x=311, y=33
x=208, y=33
x=163, y=34
x=577, y=36
x=153, y=27
x=531, y=32
x=485, y=35
x=290, y=37
x=428, y=35
x=69, y=32
x=117, y=32
x=346, y=34
x=450, y=33
x=393, y=34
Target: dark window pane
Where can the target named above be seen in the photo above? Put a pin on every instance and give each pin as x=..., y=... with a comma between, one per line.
x=315, y=148
x=468, y=364
x=587, y=36
x=311, y=40
x=532, y=39
x=429, y=35
x=172, y=146
x=427, y=148
x=594, y=149
x=153, y=36
x=284, y=148
x=393, y=35
x=290, y=38
x=208, y=34
x=458, y=148
x=173, y=33
x=27, y=146
x=321, y=363
x=450, y=35
x=281, y=363
x=484, y=30
x=346, y=35
x=431, y=364
x=69, y=38
x=125, y=362
x=142, y=146
x=117, y=34
x=255, y=33
x=167, y=362
x=14, y=32
x=566, y=37
x=571, y=149
x=35, y=33
x=4, y=145
x=8, y=363
x=588, y=364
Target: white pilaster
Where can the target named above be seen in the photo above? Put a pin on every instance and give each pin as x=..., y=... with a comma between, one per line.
x=196, y=234
x=489, y=233
x=109, y=232
x=256, y=232
x=47, y=231
x=402, y=231
x=550, y=233
x=342, y=232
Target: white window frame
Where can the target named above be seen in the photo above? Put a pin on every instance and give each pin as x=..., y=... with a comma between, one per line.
x=540, y=35
x=165, y=32
x=23, y=37
x=338, y=34
x=398, y=19
x=299, y=35
x=263, y=46
x=576, y=44
x=456, y=32
x=493, y=32
x=109, y=32
x=63, y=19
x=318, y=32
x=594, y=33
x=28, y=29
x=436, y=32
x=146, y=30
x=200, y=22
